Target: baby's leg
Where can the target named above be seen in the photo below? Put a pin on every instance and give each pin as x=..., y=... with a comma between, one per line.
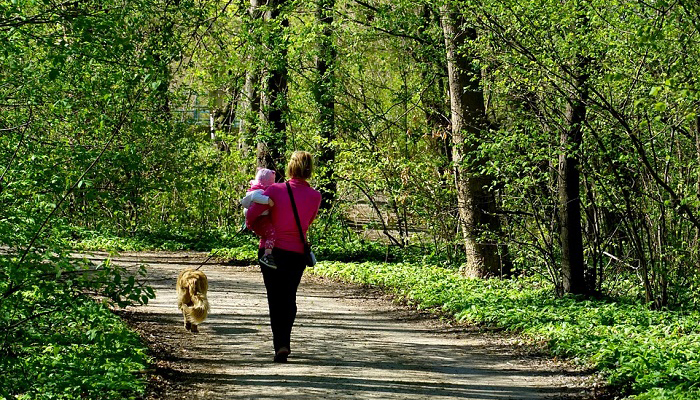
x=268, y=234
x=268, y=238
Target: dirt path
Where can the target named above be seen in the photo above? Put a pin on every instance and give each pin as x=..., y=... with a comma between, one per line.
x=347, y=343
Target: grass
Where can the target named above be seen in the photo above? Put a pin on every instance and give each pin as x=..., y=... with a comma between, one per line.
x=647, y=354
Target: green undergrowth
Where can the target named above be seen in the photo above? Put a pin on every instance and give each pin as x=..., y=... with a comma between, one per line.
x=58, y=337
x=242, y=247
x=82, y=352
x=82, y=239
x=647, y=354
x=247, y=250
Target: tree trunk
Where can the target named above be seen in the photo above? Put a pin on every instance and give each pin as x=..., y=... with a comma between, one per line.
x=475, y=200
x=270, y=150
x=325, y=99
x=250, y=107
x=569, y=183
x=697, y=149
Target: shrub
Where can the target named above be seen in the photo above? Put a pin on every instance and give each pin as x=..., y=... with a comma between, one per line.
x=60, y=341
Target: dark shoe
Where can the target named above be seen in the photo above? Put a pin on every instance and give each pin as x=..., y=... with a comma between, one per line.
x=268, y=261
x=281, y=355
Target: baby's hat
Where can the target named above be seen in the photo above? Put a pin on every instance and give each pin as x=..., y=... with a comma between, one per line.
x=265, y=177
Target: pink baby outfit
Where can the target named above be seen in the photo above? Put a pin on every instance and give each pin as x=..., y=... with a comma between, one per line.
x=261, y=225
x=307, y=200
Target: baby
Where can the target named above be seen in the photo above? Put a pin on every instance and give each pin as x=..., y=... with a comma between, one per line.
x=262, y=225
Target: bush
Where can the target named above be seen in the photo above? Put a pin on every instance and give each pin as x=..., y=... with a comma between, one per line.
x=83, y=351
x=60, y=341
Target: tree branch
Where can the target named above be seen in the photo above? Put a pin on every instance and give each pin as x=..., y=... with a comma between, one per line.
x=115, y=131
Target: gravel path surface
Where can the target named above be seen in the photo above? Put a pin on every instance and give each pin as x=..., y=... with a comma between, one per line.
x=347, y=343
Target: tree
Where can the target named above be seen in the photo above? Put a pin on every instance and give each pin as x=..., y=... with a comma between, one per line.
x=576, y=278
x=273, y=101
x=250, y=107
x=571, y=236
x=476, y=201
x=324, y=95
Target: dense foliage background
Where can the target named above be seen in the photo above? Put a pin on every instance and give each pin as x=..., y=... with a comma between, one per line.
x=555, y=142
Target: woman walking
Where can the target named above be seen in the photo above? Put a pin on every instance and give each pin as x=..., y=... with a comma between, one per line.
x=289, y=251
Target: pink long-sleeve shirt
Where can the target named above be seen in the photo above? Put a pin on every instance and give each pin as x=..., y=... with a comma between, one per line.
x=307, y=200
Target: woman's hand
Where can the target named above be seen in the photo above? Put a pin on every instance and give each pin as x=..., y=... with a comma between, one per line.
x=270, y=203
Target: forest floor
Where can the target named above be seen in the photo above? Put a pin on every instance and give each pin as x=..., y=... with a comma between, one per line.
x=348, y=342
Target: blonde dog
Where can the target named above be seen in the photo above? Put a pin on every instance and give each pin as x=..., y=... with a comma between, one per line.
x=192, y=289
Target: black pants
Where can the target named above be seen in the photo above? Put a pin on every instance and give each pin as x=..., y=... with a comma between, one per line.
x=281, y=285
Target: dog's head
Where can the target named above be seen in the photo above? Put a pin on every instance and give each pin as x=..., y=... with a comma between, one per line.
x=195, y=282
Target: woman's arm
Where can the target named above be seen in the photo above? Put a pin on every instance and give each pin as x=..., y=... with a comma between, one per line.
x=256, y=208
x=313, y=216
x=254, y=212
x=314, y=204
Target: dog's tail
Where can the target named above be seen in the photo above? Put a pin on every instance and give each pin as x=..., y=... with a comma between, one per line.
x=197, y=289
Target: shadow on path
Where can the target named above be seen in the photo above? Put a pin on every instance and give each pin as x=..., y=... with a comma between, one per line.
x=345, y=345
